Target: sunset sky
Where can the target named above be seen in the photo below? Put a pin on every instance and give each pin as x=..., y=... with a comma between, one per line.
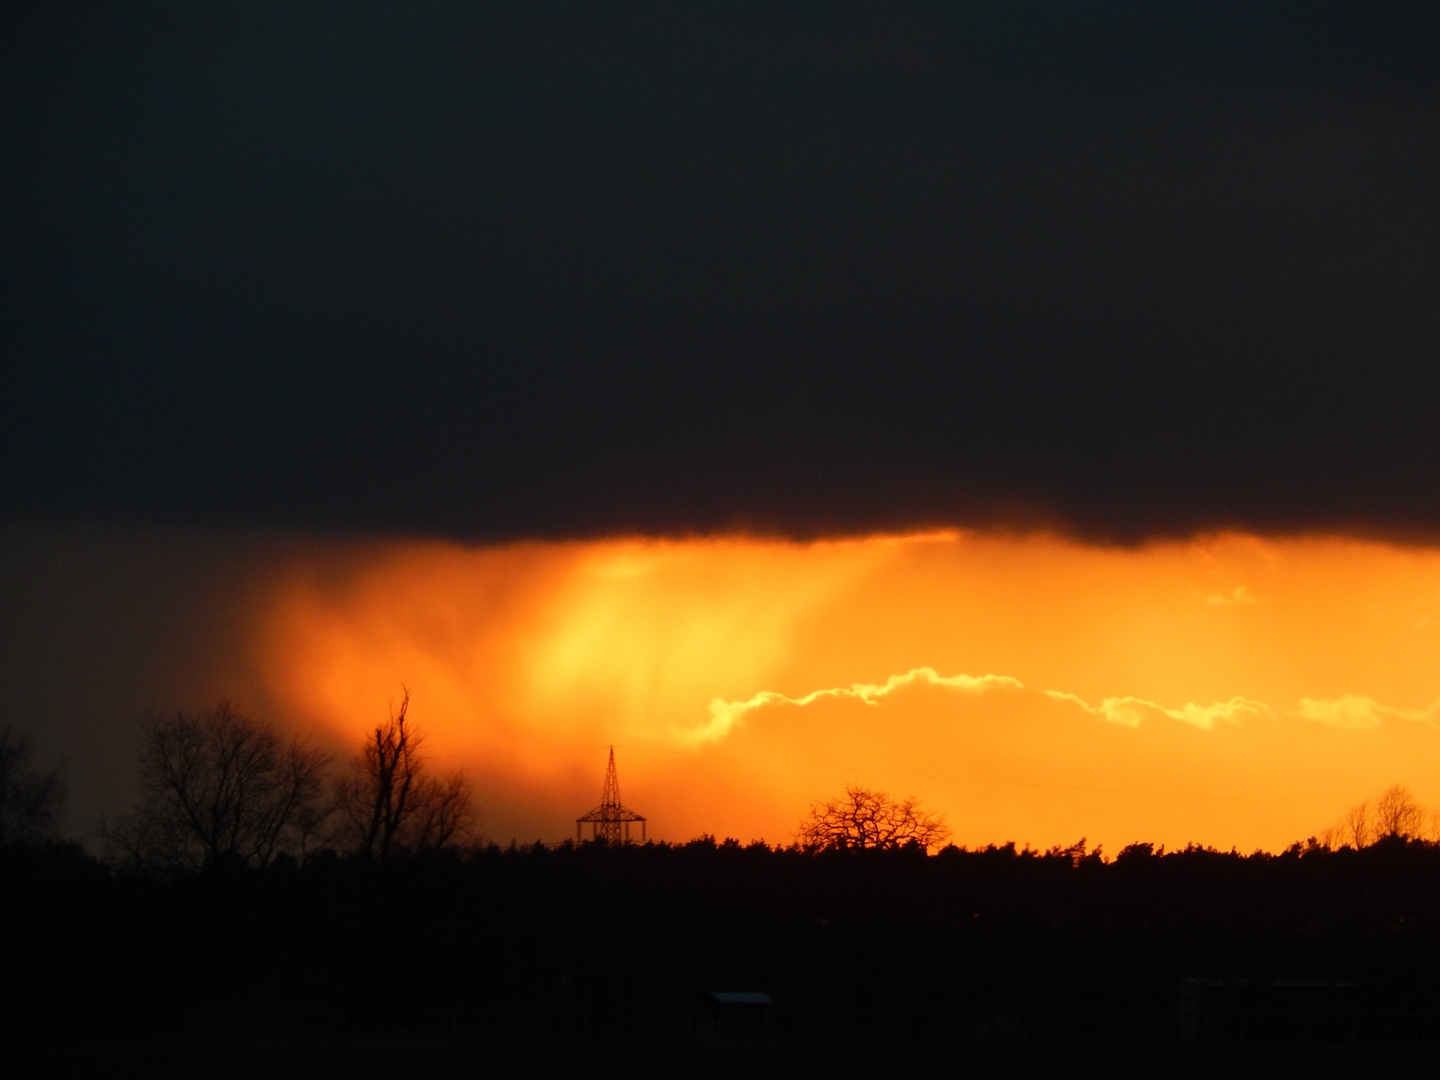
x=1225, y=691
x=1027, y=407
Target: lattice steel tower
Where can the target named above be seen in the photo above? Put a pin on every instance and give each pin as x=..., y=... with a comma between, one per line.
x=610, y=821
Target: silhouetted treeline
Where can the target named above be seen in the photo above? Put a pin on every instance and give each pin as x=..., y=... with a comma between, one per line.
x=588, y=938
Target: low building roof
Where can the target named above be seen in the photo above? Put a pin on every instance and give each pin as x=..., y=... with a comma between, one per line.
x=741, y=997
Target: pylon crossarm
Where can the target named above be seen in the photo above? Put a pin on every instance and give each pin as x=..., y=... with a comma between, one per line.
x=611, y=813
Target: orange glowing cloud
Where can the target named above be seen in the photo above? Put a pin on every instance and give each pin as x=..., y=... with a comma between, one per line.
x=1226, y=691
x=726, y=714
x=1356, y=712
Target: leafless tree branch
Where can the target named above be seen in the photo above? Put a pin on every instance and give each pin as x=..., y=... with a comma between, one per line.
x=389, y=804
x=30, y=799
x=221, y=790
x=862, y=818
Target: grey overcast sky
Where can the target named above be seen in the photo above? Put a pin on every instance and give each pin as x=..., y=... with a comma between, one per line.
x=488, y=271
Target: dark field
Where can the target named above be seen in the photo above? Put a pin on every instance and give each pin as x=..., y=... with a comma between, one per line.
x=589, y=960
x=833, y=1061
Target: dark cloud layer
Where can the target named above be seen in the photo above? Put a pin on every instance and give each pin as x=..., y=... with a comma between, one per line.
x=547, y=270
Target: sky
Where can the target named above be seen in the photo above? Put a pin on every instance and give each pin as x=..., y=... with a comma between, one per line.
x=597, y=372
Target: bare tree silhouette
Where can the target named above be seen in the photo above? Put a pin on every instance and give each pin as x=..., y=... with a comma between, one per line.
x=221, y=790
x=30, y=799
x=1398, y=814
x=1330, y=837
x=1356, y=829
x=1395, y=813
x=861, y=818
x=1431, y=829
x=390, y=805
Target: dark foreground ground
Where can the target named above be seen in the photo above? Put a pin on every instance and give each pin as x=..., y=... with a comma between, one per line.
x=833, y=1061
x=587, y=961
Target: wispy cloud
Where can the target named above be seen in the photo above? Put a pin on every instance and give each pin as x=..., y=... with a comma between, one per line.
x=1356, y=712
x=1132, y=711
x=1238, y=595
x=1127, y=711
x=724, y=715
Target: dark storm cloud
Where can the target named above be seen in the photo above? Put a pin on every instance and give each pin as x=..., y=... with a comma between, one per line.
x=497, y=270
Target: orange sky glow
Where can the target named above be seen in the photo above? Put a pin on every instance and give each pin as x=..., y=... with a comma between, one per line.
x=1227, y=691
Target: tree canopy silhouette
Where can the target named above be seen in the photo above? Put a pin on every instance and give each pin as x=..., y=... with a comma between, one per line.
x=221, y=790
x=390, y=804
x=861, y=818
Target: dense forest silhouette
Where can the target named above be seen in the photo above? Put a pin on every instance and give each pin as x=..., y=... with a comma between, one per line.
x=1319, y=942
x=590, y=937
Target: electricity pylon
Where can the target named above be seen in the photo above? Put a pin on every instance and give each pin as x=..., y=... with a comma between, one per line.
x=610, y=821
